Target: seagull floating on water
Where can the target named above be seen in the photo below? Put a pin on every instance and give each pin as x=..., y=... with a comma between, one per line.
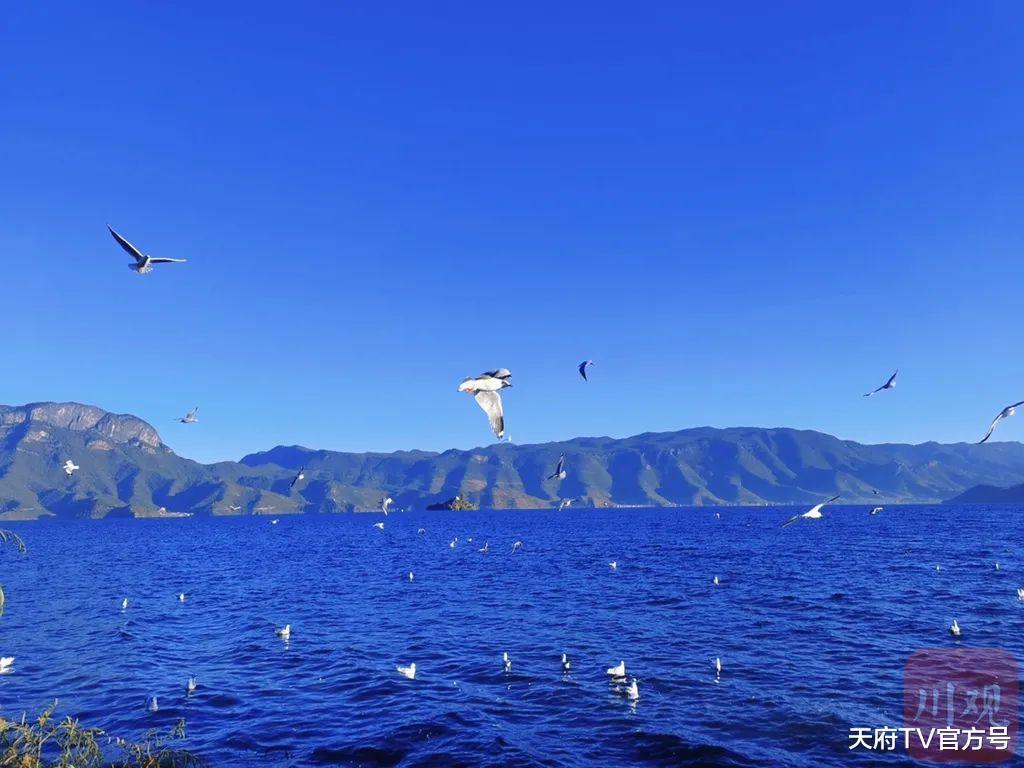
x=618, y=671
x=997, y=566
x=191, y=685
x=715, y=581
x=565, y=664
x=559, y=470
x=300, y=476
x=1006, y=413
x=506, y=662
x=408, y=672
x=633, y=690
x=191, y=417
x=153, y=706
x=124, y=603
x=954, y=629
x=1020, y=594
x=718, y=669
x=284, y=632
x=275, y=521
x=876, y=510
x=70, y=467
x=6, y=664
x=143, y=264
x=181, y=597
x=484, y=388
x=890, y=384
x=583, y=368
x=453, y=542
x=814, y=513
x=516, y=546
x=421, y=531
x=613, y=564
x=411, y=576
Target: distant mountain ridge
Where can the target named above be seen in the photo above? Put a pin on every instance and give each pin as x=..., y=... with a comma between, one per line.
x=126, y=470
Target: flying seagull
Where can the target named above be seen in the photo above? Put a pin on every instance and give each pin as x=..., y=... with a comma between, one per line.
x=564, y=504
x=583, y=368
x=484, y=388
x=143, y=263
x=379, y=526
x=559, y=470
x=1006, y=413
x=70, y=467
x=298, y=477
x=814, y=513
x=384, y=504
x=890, y=384
x=516, y=546
x=876, y=510
x=191, y=417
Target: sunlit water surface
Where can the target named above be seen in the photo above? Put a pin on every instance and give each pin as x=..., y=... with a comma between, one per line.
x=813, y=624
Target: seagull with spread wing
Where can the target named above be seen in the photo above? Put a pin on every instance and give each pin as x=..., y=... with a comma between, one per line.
x=559, y=472
x=890, y=384
x=299, y=477
x=484, y=389
x=1006, y=413
x=143, y=263
x=583, y=368
x=192, y=417
x=814, y=513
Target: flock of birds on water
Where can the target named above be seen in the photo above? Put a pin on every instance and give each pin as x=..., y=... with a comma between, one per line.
x=485, y=389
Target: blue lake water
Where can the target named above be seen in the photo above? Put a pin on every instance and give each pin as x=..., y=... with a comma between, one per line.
x=813, y=624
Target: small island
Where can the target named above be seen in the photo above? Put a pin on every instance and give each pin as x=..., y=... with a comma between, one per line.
x=456, y=504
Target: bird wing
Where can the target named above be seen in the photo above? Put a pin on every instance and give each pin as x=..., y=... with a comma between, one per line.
x=561, y=464
x=583, y=369
x=992, y=428
x=162, y=260
x=500, y=373
x=135, y=252
x=491, y=403
x=791, y=520
x=192, y=414
x=892, y=378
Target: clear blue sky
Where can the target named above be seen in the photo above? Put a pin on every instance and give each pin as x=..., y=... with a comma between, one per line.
x=747, y=215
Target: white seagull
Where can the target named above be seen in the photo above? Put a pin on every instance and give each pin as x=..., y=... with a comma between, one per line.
x=153, y=706
x=1020, y=594
x=890, y=384
x=814, y=513
x=633, y=691
x=6, y=664
x=566, y=666
x=384, y=504
x=506, y=662
x=421, y=531
x=300, y=476
x=124, y=604
x=453, y=542
x=484, y=388
x=718, y=669
x=1006, y=413
x=275, y=521
x=408, y=672
x=379, y=526
x=516, y=546
x=583, y=368
x=181, y=597
x=191, y=417
x=191, y=685
x=559, y=472
x=954, y=629
x=284, y=632
x=564, y=504
x=715, y=581
x=876, y=510
x=143, y=263
x=411, y=576
x=614, y=564
x=485, y=548
x=618, y=671
x=70, y=467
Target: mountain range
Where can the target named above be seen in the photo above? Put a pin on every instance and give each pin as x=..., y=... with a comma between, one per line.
x=125, y=469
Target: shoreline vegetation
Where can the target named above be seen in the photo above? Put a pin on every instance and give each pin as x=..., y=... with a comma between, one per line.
x=51, y=742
